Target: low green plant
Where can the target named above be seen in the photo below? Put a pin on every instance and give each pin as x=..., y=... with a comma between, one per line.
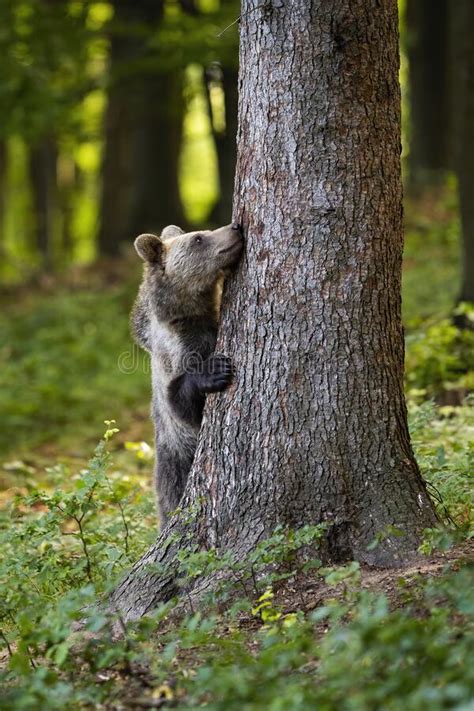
x=440, y=355
x=62, y=550
x=444, y=447
x=356, y=654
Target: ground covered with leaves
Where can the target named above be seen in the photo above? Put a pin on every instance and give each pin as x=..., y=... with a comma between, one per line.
x=285, y=631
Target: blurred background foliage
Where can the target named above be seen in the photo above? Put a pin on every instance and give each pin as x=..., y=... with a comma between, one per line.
x=115, y=118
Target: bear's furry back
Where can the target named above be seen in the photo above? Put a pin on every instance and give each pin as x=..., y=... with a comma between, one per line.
x=179, y=333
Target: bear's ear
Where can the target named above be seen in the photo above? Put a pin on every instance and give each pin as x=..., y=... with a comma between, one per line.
x=171, y=231
x=149, y=248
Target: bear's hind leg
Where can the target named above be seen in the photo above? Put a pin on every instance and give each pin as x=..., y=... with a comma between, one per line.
x=171, y=473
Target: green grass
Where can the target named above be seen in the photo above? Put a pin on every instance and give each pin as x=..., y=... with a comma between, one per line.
x=67, y=363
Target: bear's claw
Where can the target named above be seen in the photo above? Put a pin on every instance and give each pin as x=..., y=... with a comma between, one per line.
x=217, y=374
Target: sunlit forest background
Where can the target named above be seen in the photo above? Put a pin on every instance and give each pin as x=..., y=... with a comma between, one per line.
x=114, y=120
x=118, y=118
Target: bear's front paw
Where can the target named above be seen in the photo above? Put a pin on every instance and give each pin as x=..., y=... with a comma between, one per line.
x=217, y=374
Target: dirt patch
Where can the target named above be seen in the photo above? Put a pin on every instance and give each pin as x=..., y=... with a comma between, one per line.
x=307, y=592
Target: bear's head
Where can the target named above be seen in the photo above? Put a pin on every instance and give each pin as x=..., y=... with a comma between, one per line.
x=193, y=259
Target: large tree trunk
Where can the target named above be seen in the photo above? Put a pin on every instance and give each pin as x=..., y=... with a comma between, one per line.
x=463, y=111
x=3, y=189
x=142, y=132
x=225, y=142
x=428, y=34
x=314, y=428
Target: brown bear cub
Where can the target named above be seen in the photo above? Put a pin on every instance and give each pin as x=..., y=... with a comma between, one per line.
x=175, y=318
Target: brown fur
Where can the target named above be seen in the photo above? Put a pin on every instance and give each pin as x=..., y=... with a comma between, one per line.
x=175, y=319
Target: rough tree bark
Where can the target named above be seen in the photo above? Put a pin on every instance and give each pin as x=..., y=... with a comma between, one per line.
x=428, y=52
x=315, y=427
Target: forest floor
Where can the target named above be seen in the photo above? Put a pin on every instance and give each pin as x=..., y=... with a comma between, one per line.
x=136, y=686
x=395, y=583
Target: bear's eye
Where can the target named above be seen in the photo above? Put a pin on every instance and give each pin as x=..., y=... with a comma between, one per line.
x=198, y=239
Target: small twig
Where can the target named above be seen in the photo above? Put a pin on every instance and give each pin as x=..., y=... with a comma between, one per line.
x=436, y=495
x=78, y=520
x=10, y=652
x=89, y=499
x=241, y=582
x=249, y=12
x=84, y=547
x=190, y=602
x=252, y=573
x=229, y=26
x=30, y=657
x=125, y=525
x=3, y=636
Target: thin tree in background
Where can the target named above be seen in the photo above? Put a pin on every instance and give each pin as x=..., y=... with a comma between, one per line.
x=315, y=426
x=143, y=125
x=3, y=186
x=441, y=68
x=42, y=167
x=462, y=35
x=225, y=136
x=429, y=82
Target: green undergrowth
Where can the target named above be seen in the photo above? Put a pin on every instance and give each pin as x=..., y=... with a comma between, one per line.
x=66, y=543
x=443, y=439
x=440, y=358
x=349, y=653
